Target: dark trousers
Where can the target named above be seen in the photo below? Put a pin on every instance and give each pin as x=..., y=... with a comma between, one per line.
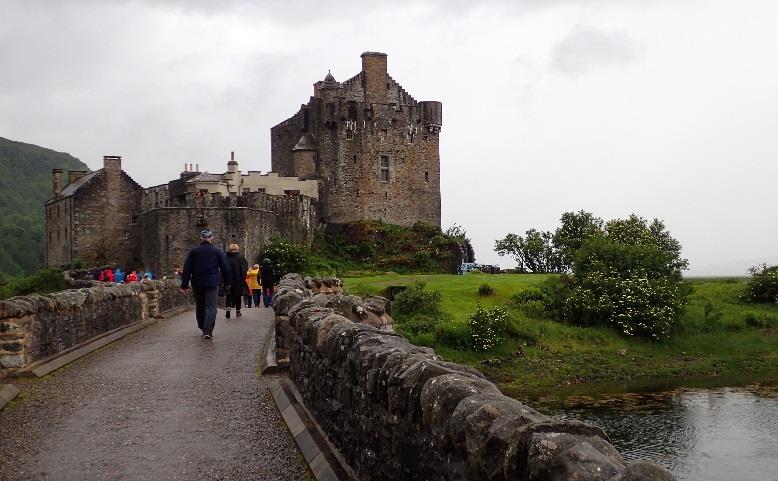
x=247, y=300
x=267, y=295
x=233, y=301
x=257, y=295
x=206, y=302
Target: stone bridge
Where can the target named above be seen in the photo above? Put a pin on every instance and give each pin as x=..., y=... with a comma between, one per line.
x=359, y=402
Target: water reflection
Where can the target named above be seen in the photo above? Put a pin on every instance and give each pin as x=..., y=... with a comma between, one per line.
x=698, y=434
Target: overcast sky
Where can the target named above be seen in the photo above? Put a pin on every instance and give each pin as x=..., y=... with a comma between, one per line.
x=665, y=109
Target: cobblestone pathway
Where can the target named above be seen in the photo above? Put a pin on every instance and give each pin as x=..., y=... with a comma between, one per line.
x=160, y=404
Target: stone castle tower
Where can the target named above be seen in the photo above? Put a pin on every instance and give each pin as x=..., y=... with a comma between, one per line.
x=373, y=148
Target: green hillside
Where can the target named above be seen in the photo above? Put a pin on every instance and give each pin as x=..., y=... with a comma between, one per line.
x=25, y=184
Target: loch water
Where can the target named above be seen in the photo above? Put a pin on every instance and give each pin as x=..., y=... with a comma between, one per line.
x=720, y=434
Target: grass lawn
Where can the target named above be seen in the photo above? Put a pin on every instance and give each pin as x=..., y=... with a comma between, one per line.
x=734, y=344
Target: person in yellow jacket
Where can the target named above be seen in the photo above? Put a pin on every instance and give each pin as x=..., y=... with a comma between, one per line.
x=252, y=279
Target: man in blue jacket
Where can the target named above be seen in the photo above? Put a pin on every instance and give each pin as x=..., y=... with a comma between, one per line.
x=206, y=266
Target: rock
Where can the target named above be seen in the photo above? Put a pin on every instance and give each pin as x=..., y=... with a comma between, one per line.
x=644, y=471
x=580, y=462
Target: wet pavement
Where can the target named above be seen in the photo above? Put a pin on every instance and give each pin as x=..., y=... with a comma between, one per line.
x=160, y=404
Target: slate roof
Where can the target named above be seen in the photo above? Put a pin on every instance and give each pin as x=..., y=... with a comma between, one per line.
x=71, y=188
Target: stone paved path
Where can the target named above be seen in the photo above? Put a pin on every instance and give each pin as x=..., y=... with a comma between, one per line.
x=160, y=404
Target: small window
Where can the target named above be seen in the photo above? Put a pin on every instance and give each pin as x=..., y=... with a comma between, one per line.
x=355, y=159
x=134, y=219
x=261, y=190
x=349, y=134
x=427, y=177
x=384, y=168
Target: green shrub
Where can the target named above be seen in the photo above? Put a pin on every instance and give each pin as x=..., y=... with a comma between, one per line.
x=416, y=325
x=40, y=282
x=416, y=301
x=485, y=290
x=534, y=302
x=488, y=327
x=286, y=256
x=629, y=278
x=454, y=335
x=760, y=321
x=763, y=285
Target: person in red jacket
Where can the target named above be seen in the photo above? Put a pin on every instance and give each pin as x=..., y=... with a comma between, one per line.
x=109, y=275
x=132, y=277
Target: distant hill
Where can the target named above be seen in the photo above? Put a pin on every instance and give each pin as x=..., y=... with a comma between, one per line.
x=25, y=184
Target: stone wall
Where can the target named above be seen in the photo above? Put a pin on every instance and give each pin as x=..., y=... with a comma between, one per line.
x=397, y=411
x=253, y=219
x=326, y=293
x=35, y=327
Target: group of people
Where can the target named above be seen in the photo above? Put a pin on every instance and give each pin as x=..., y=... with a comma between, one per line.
x=247, y=286
x=119, y=276
x=208, y=269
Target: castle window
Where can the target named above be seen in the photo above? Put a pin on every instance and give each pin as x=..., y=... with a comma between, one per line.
x=134, y=219
x=349, y=134
x=261, y=190
x=352, y=110
x=426, y=177
x=384, y=176
x=355, y=159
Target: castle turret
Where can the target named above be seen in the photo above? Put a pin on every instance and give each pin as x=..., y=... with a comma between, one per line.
x=56, y=182
x=303, y=157
x=431, y=116
x=322, y=86
x=374, y=77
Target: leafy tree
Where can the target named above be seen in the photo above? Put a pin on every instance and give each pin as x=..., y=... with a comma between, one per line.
x=575, y=229
x=763, y=285
x=628, y=277
x=534, y=252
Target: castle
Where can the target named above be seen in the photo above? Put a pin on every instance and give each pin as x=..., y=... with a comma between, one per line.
x=363, y=149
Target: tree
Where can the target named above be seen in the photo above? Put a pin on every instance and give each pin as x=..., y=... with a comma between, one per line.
x=763, y=285
x=534, y=252
x=628, y=277
x=575, y=229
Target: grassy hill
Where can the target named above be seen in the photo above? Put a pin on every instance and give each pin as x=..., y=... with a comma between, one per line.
x=720, y=341
x=25, y=184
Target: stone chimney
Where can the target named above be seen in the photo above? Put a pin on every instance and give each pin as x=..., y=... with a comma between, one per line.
x=74, y=175
x=112, y=163
x=374, y=77
x=56, y=182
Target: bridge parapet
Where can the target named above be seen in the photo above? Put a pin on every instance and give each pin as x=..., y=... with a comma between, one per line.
x=36, y=327
x=398, y=411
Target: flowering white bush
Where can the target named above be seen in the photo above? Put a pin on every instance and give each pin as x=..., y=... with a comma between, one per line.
x=629, y=277
x=488, y=327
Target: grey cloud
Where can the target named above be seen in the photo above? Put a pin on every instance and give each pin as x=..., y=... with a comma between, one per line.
x=587, y=49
